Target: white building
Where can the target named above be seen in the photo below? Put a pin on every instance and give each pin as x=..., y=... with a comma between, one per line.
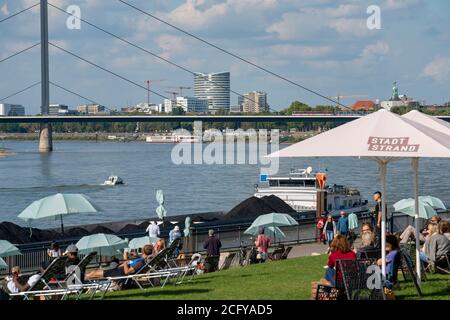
x=57, y=109
x=215, y=88
x=11, y=109
x=188, y=104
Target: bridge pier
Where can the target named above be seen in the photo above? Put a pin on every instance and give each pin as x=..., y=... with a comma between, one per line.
x=45, y=138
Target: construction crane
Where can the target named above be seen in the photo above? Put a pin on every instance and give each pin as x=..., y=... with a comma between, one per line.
x=174, y=93
x=149, y=82
x=180, y=88
x=339, y=97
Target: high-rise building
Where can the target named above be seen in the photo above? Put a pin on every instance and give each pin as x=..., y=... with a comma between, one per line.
x=11, y=109
x=255, y=102
x=215, y=88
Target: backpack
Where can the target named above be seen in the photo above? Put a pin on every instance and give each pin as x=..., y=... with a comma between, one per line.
x=320, y=224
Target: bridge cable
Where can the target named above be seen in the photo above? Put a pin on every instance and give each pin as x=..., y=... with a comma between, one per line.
x=233, y=54
x=21, y=91
x=110, y=72
x=20, y=12
x=151, y=53
x=20, y=52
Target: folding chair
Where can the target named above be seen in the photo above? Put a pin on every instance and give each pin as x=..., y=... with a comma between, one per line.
x=286, y=252
x=276, y=254
x=443, y=264
x=358, y=282
x=406, y=263
x=42, y=287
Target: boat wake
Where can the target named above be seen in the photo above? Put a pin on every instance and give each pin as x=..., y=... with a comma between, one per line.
x=59, y=188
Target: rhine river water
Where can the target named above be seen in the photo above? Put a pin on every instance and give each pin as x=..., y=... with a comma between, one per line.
x=81, y=167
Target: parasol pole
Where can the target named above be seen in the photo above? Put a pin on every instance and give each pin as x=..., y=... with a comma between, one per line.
x=415, y=167
x=383, y=171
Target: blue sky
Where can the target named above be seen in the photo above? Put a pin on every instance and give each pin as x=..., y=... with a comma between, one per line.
x=321, y=44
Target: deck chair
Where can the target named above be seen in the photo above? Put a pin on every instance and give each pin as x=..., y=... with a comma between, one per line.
x=72, y=276
x=42, y=286
x=276, y=254
x=373, y=254
x=170, y=254
x=328, y=292
x=410, y=249
x=442, y=264
x=227, y=262
x=154, y=268
x=357, y=280
x=286, y=252
x=407, y=267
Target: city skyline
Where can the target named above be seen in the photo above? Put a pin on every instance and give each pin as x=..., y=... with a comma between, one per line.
x=335, y=56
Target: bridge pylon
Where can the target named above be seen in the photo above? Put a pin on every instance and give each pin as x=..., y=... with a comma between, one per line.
x=45, y=132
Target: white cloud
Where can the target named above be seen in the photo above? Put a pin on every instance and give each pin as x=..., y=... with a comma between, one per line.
x=438, y=69
x=400, y=4
x=170, y=45
x=347, y=20
x=373, y=53
x=298, y=51
x=4, y=9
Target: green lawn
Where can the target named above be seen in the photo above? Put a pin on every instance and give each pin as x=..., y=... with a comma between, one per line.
x=288, y=279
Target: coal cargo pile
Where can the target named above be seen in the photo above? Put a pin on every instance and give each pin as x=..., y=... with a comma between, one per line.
x=253, y=207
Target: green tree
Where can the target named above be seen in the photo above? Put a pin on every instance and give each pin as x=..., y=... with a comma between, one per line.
x=296, y=106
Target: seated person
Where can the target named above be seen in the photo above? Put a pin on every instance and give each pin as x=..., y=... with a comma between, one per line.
x=410, y=231
x=392, y=251
x=444, y=228
x=436, y=246
x=367, y=245
x=128, y=267
x=19, y=283
x=340, y=251
x=159, y=246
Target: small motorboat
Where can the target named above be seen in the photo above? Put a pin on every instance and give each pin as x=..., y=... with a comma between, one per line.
x=113, y=181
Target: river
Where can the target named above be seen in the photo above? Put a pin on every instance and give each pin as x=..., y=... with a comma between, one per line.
x=81, y=167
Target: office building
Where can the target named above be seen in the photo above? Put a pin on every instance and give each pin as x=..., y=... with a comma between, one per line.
x=188, y=104
x=11, y=109
x=215, y=88
x=91, y=109
x=255, y=102
x=54, y=109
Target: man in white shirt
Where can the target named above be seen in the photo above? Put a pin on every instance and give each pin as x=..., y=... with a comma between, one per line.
x=15, y=286
x=153, y=230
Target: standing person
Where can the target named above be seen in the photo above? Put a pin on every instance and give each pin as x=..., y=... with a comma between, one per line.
x=175, y=234
x=153, y=230
x=54, y=251
x=329, y=229
x=320, y=227
x=352, y=227
x=377, y=214
x=212, y=245
x=342, y=224
x=262, y=243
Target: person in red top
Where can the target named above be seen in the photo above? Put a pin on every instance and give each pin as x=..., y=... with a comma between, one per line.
x=340, y=250
x=262, y=243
